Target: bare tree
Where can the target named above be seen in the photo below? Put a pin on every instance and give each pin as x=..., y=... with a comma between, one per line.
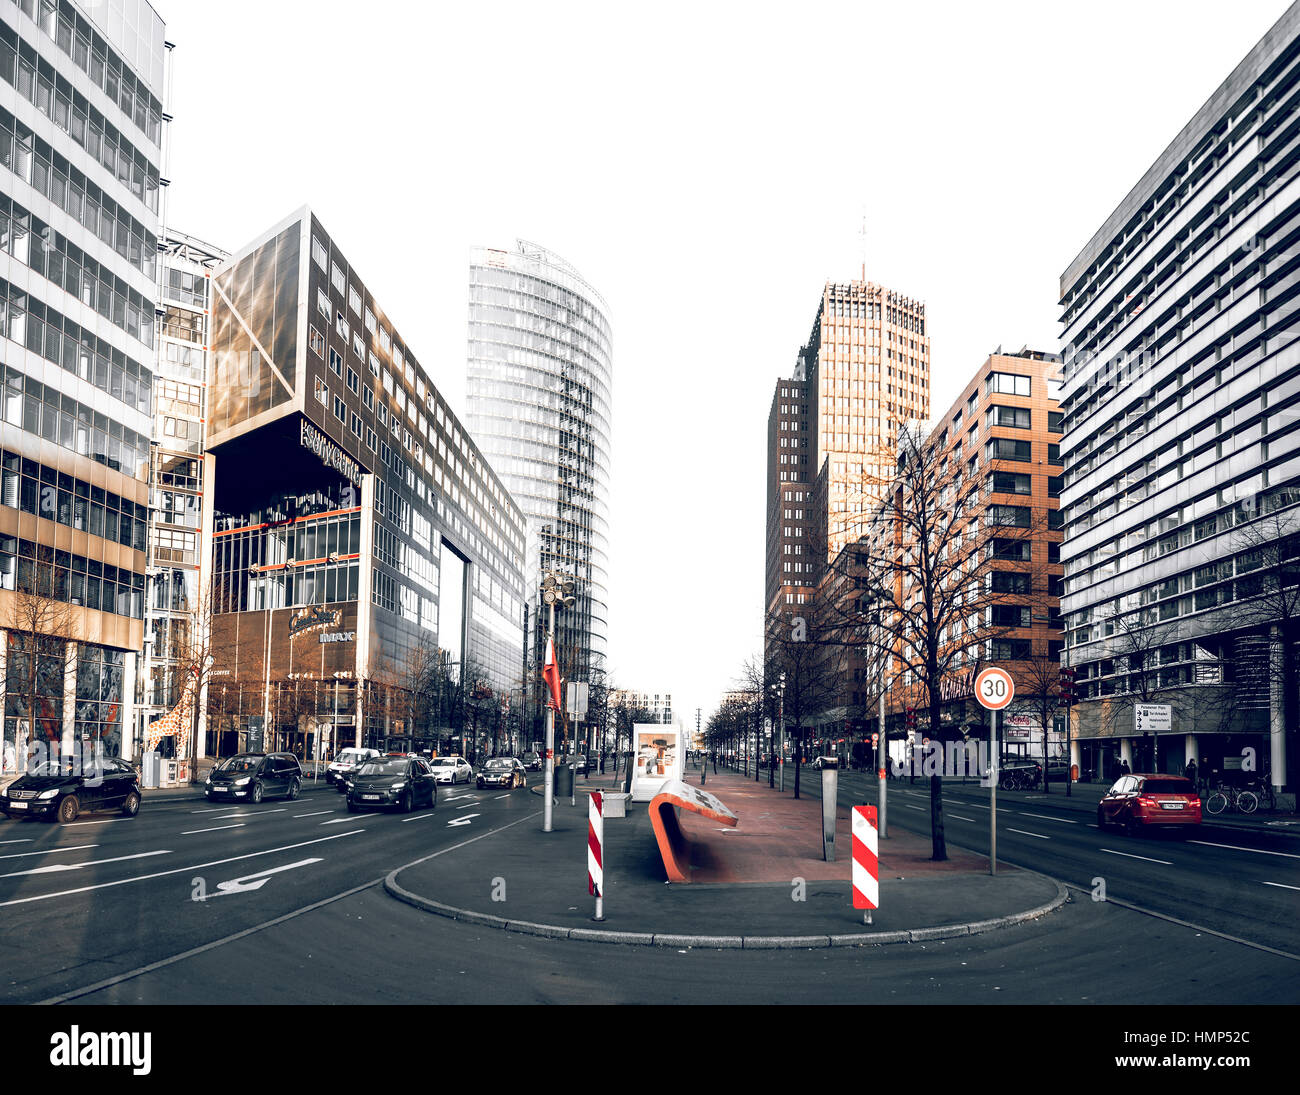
x=803, y=661
x=41, y=624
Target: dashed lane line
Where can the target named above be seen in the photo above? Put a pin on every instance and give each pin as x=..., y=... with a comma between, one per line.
x=1144, y=858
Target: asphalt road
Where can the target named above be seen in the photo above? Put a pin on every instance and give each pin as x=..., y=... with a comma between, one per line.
x=1243, y=883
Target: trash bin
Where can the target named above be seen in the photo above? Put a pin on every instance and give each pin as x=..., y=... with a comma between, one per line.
x=564, y=781
x=628, y=762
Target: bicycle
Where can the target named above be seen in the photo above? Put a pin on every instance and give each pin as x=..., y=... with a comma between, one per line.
x=1233, y=798
x=1263, y=791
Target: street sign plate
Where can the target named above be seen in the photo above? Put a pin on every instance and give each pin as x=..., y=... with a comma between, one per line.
x=994, y=688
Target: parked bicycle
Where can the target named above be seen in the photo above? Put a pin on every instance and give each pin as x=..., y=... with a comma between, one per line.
x=1238, y=799
x=1263, y=791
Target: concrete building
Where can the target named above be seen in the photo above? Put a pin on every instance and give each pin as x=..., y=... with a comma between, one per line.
x=659, y=705
x=367, y=562
x=1182, y=450
x=81, y=128
x=538, y=401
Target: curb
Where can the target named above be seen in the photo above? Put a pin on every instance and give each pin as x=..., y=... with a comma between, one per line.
x=725, y=942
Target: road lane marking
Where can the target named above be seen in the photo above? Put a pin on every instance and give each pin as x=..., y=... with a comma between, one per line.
x=25, y=840
x=909, y=806
x=318, y=813
x=53, y=867
x=1238, y=848
x=106, y=821
x=177, y=870
x=1023, y=833
x=214, y=829
x=336, y=821
x=129, y=975
x=1045, y=817
x=50, y=851
x=1142, y=857
x=464, y=819
x=1282, y=885
x=960, y=818
x=500, y=797
x=464, y=805
x=243, y=885
x=418, y=817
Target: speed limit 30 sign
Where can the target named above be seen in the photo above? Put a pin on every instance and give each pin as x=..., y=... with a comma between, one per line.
x=994, y=688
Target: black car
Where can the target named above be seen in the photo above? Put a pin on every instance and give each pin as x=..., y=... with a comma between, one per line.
x=60, y=790
x=251, y=777
x=502, y=772
x=533, y=761
x=402, y=783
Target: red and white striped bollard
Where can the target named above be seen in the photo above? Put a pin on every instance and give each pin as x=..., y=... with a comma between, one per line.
x=866, y=868
x=595, y=852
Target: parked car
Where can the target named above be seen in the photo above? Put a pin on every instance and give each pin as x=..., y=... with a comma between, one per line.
x=1144, y=801
x=502, y=772
x=345, y=762
x=251, y=777
x=401, y=783
x=452, y=769
x=58, y=791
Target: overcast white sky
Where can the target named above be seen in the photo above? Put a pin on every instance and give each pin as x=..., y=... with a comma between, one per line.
x=707, y=167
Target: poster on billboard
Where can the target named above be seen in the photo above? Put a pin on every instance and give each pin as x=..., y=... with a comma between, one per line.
x=658, y=758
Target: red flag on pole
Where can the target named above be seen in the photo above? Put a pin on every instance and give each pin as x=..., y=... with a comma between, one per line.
x=551, y=674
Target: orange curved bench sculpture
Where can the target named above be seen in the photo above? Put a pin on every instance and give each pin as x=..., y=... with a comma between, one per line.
x=673, y=845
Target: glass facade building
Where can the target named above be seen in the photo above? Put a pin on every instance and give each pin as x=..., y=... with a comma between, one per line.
x=538, y=401
x=366, y=562
x=81, y=131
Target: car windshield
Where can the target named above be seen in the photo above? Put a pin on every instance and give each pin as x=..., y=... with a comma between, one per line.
x=497, y=762
x=444, y=762
x=1167, y=786
x=239, y=764
x=389, y=766
x=50, y=768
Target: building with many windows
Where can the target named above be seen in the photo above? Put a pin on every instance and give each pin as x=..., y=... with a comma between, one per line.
x=81, y=123
x=174, y=608
x=539, y=402
x=366, y=562
x=1182, y=443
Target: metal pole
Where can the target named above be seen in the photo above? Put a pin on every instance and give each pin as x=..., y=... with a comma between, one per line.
x=549, y=784
x=993, y=792
x=882, y=759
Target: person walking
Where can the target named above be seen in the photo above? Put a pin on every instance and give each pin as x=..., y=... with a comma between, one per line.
x=1124, y=769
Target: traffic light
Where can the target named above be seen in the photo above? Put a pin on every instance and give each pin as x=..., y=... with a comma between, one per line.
x=911, y=719
x=1067, y=685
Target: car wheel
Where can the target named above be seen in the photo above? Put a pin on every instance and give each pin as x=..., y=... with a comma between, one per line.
x=1131, y=826
x=69, y=808
x=352, y=807
x=480, y=785
x=408, y=803
x=1101, y=819
x=257, y=791
x=131, y=804
x=433, y=797
x=294, y=788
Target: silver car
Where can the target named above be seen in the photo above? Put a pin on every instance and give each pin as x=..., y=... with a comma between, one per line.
x=451, y=769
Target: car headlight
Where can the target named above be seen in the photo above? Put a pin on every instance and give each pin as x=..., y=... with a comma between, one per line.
x=242, y=782
x=51, y=793
x=398, y=786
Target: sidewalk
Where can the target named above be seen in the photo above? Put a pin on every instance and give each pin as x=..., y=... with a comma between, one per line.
x=763, y=884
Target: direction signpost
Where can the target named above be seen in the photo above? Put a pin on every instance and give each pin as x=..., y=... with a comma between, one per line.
x=995, y=690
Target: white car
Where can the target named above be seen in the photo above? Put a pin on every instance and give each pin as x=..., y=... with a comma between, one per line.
x=452, y=769
x=342, y=765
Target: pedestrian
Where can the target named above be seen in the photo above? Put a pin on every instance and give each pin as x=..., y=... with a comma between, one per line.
x=1124, y=769
x=715, y=762
x=1190, y=771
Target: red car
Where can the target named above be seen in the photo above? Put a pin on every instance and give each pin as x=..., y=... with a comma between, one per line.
x=1149, y=800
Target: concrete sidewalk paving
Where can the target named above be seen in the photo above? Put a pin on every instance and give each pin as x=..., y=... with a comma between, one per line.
x=763, y=884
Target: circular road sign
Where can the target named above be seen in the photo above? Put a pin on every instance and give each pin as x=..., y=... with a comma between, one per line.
x=994, y=688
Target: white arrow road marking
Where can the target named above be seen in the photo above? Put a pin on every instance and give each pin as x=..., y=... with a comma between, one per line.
x=1142, y=857
x=181, y=870
x=1062, y=820
x=55, y=867
x=214, y=829
x=1023, y=833
x=51, y=851
x=243, y=885
x=1238, y=848
x=462, y=820
x=1283, y=885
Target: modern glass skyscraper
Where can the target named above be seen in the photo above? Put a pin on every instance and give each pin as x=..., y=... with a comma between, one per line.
x=538, y=402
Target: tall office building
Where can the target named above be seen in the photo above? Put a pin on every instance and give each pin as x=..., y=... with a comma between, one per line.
x=1182, y=448
x=173, y=603
x=833, y=427
x=81, y=124
x=365, y=558
x=538, y=402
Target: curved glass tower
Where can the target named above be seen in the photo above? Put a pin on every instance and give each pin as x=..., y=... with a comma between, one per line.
x=538, y=403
